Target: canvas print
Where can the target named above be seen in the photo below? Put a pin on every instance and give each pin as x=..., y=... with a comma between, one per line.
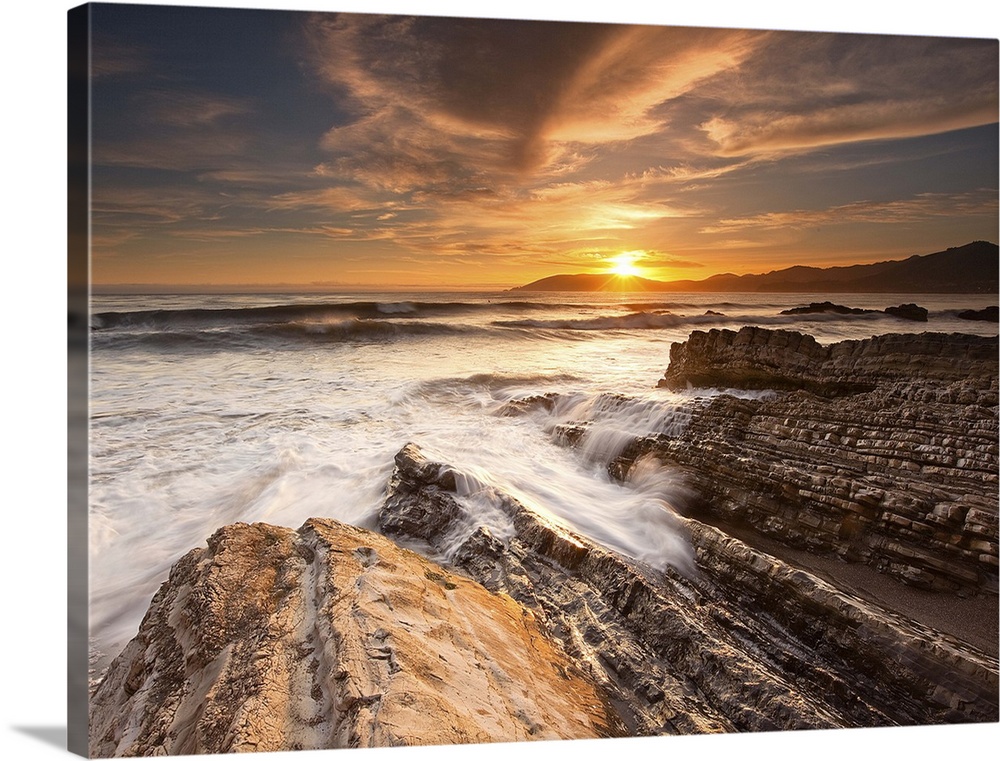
x=457, y=380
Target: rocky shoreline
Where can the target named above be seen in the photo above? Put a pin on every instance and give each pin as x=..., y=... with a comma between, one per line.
x=884, y=452
x=877, y=455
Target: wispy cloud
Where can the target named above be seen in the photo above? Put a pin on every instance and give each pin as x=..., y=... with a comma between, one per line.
x=177, y=130
x=656, y=260
x=186, y=110
x=807, y=91
x=530, y=144
x=111, y=57
x=921, y=207
x=471, y=103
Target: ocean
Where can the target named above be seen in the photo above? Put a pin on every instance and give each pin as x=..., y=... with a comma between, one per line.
x=211, y=409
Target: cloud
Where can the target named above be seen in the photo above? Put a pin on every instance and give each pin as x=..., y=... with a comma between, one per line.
x=805, y=91
x=171, y=129
x=532, y=143
x=111, y=58
x=831, y=126
x=468, y=102
x=613, y=96
x=461, y=135
x=656, y=260
x=142, y=206
x=516, y=131
x=920, y=207
x=186, y=109
x=331, y=199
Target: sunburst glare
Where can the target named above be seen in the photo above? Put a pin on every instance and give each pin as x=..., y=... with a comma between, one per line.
x=624, y=264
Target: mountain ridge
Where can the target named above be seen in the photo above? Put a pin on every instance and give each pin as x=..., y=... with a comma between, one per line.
x=972, y=268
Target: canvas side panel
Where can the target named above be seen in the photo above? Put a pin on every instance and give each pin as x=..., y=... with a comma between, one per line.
x=78, y=213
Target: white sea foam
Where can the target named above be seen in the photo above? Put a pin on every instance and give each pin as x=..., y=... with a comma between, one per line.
x=191, y=434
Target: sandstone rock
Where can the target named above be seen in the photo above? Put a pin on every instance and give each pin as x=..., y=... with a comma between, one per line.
x=758, y=358
x=333, y=637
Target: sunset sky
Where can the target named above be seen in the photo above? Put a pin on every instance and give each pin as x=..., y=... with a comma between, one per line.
x=235, y=147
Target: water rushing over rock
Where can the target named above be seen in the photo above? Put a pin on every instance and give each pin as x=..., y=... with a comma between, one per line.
x=882, y=453
x=332, y=636
x=741, y=641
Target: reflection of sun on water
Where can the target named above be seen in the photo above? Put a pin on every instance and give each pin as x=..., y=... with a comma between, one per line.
x=624, y=265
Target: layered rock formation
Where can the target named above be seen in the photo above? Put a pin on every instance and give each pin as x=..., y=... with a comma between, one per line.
x=743, y=643
x=885, y=452
x=332, y=637
x=880, y=452
x=758, y=358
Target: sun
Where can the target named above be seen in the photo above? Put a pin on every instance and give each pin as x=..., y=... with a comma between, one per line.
x=623, y=265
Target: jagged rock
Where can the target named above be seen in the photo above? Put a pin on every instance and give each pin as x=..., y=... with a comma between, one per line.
x=825, y=307
x=908, y=312
x=758, y=358
x=528, y=403
x=331, y=636
x=328, y=637
x=988, y=314
x=743, y=642
x=903, y=311
x=887, y=475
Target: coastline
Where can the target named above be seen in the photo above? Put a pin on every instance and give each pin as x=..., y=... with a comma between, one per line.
x=196, y=215
x=549, y=570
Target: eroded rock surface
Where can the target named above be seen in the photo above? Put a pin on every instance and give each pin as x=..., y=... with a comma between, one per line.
x=881, y=451
x=744, y=642
x=332, y=636
x=958, y=369
x=329, y=637
x=902, y=474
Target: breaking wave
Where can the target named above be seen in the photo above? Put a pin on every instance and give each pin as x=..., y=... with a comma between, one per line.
x=166, y=319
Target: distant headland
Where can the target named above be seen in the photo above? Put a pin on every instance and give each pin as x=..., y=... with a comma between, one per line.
x=972, y=268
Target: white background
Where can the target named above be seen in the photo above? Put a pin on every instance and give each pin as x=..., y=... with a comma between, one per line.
x=33, y=444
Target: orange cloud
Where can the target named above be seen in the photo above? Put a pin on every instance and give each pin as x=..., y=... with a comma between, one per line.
x=439, y=109
x=869, y=121
x=804, y=91
x=926, y=205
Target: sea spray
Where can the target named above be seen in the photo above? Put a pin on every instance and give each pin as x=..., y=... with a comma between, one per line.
x=613, y=420
x=198, y=419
